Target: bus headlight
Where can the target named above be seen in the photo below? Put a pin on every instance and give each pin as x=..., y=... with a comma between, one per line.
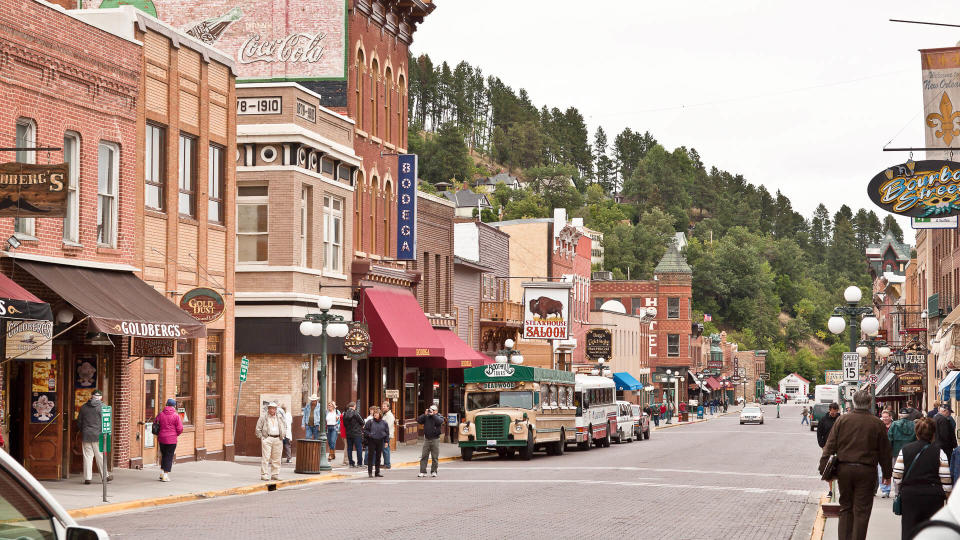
x=465, y=428
x=518, y=428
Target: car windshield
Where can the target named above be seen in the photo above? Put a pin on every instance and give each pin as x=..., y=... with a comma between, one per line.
x=487, y=400
x=21, y=515
x=752, y=410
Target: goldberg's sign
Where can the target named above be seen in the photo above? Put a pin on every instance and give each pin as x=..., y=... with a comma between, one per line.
x=599, y=344
x=24, y=339
x=142, y=329
x=546, y=309
x=33, y=190
x=290, y=40
x=204, y=305
x=407, y=208
x=919, y=189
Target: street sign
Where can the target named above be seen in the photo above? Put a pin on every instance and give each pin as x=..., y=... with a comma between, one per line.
x=765, y=376
x=244, y=364
x=851, y=366
x=106, y=427
x=873, y=378
x=949, y=222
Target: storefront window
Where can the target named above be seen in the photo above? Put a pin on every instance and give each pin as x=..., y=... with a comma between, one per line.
x=410, y=392
x=214, y=374
x=185, y=379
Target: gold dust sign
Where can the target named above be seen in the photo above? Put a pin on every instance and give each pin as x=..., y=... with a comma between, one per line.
x=204, y=305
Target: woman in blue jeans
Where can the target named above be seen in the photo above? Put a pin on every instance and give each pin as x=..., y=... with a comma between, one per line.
x=333, y=428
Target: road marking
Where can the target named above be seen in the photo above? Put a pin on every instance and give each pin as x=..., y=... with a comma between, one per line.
x=794, y=492
x=671, y=432
x=649, y=469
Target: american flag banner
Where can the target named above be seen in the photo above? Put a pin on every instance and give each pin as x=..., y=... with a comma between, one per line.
x=707, y=317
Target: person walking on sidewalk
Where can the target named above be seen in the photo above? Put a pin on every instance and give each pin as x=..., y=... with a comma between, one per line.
x=170, y=428
x=923, y=477
x=311, y=418
x=656, y=415
x=90, y=424
x=391, y=423
x=353, y=428
x=887, y=422
x=946, y=434
x=900, y=434
x=823, y=431
x=376, y=432
x=432, y=430
x=859, y=440
x=333, y=428
x=271, y=431
x=803, y=416
x=287, y=415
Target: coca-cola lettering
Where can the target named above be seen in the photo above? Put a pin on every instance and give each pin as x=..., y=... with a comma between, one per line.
x=299, y=47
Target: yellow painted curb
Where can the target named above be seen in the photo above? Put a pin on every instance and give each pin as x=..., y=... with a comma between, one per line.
x=820, y=522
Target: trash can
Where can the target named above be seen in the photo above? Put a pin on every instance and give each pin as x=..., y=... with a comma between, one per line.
x=684, y=416
x=308, y=457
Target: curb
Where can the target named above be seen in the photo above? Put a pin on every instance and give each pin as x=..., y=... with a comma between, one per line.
x=820, y=522
x=110, y=508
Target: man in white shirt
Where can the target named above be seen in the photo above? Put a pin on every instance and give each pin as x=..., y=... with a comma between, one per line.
x=391, y=423
x=271, y=430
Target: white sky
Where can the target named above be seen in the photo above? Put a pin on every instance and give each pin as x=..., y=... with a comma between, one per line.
x=798, y=96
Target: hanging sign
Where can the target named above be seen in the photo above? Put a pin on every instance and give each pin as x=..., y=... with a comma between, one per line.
x=155, y=347
x=833, y=376
x=407, y=208
x=546, y=310
x=599, y=344
x=29, y=339
x=203, y=304
x=33, y=190
x=357, y=341
x=928, y=188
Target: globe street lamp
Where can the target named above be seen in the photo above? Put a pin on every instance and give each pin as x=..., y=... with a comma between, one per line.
x=842, y=315
x=508, y=354
x=321, y=325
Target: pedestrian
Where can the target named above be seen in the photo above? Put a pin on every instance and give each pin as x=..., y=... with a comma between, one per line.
x=391, y=421
x=353, y=428
x=933, y=412
x=333, y=428
x=803, y=416
x=901, y=433
x=432, y=430
x=366, y=443
x=311, y=418
x=725, y=405
x=859, y=441
x=887, y=422
x=375, y=431
x=923, y=477
x=90, y=423
x=271, y=431
x=170, y=428
x=288, y=421
x=946, y=434
x=656, y=415
x=343, y=436
x=823, y=431
x=912, y=412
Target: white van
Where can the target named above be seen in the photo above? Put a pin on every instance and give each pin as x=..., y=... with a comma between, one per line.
x=626, y=423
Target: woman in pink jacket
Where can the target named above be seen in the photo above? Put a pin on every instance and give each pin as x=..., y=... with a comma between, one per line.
x=170, y=428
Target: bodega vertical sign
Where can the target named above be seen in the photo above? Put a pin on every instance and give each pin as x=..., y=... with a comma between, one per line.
x=407, y=208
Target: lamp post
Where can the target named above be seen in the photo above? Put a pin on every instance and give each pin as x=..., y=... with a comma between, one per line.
x=671, y=378
x=874, y=348
x=508, y=354
x=844, y=316
x=321, y=325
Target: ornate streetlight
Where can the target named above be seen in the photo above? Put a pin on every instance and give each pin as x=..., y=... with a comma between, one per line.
x=508, y=354
x=672, y=378
x=321, y=325
x=874, y=348
x=869, y=325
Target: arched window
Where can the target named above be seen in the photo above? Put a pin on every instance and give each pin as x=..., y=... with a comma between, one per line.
x=387, y=203
x=358, y=188
x=401, y=109
x=388, y=98
x=374, y=97
x=374, y=199
x=361, y=62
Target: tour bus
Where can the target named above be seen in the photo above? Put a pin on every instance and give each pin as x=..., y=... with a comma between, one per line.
x=511, y=408
x=596, y=401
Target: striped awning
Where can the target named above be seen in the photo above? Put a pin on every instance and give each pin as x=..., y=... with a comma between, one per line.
x=948, y=386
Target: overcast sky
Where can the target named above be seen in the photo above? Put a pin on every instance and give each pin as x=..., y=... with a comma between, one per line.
x=799, y=97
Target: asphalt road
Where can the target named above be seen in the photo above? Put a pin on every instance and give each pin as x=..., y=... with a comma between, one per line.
x=715, y=479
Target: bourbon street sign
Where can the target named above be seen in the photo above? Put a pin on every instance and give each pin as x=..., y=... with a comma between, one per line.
x=929, y=188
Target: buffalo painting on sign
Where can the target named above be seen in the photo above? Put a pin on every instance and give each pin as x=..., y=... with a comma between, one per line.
x=546, y=310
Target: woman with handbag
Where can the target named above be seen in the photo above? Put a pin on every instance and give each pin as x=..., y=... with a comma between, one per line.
x=170, y=427
x=922, y=476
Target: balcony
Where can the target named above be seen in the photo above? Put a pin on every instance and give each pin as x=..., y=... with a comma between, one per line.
x=501, y=313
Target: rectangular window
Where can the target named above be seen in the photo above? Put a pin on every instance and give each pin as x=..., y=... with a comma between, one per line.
x=215, y=184
x=71, y=155
x=673, y=344
x=635, y=304
x=26, y=138
x=333, y=234
x=185, y=378
x=673, y=308
x=188, y=178
x=344, y=173
x=304, y=198
x=107, y=184
x=597, y=302
x=154, y=170
x=214, y=374
x=326, y=166
x=252, y=230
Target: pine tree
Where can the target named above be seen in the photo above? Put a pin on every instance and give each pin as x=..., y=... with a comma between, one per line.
x=890, y=225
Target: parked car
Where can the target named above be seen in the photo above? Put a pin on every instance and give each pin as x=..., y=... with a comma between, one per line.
x=626, y=423
x=769, y=399
x=819, y=410
x=751, y=414
x=801, y=399
x=27, y=510
x=641, y=422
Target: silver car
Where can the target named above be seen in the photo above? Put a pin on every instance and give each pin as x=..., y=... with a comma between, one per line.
x=28, y=511
x=751, y=413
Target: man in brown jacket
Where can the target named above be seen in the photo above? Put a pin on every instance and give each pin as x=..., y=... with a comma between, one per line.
x=859, y=440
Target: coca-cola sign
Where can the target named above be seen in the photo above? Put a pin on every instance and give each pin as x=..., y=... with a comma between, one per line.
x=299, y=47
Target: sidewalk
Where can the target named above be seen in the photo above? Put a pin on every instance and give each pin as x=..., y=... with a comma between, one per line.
x=884, y=525
x=693, y=419
x=133, y=488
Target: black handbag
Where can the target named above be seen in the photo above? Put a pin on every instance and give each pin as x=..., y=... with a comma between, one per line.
x=897, y=510
x=155, y=428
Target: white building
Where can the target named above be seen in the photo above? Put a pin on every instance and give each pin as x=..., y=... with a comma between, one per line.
x=794, y=385
x=596, y=249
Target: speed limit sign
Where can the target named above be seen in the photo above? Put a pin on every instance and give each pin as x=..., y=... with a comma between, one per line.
x=851, y=367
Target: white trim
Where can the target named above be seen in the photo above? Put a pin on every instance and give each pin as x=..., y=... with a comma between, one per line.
x=250, y=267
x=290, y=296
x=70, y=262
x=300, y=88
x=290, y=168
x=434, y=198
x=284, y=311
x=269, y=133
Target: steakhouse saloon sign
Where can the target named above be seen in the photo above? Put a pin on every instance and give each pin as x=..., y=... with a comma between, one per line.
x=929, y=188
x=546, y=310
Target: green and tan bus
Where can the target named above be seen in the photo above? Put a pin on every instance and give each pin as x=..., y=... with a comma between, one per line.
x=512, y=408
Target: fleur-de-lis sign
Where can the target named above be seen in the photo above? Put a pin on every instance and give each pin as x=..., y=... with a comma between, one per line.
x=945, y=117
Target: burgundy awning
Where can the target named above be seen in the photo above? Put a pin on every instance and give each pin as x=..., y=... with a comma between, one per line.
x=713, y=383
x=19, y=303
x=398, y=327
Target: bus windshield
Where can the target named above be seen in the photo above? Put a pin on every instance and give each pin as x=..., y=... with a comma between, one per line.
x=488, y=400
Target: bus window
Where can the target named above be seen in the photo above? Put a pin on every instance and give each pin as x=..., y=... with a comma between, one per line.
x=484, y=400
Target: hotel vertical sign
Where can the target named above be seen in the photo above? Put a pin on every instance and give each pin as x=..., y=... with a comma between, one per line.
x=407, y=208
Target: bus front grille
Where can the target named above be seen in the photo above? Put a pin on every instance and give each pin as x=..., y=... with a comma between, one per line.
x=492, y=427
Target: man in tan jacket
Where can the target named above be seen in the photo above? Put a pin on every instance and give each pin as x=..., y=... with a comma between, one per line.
x=859, y=439
x=271, y=430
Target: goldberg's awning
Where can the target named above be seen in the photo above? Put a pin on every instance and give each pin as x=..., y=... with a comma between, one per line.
x=398, y=327
x=19, y=303
x=948, y=386
x=117, y=302
x=456, y=354
x=626, y=381
x=712, y=383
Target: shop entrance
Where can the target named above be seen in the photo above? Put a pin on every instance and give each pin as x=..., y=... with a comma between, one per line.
x=36, y=419
x=151, y=408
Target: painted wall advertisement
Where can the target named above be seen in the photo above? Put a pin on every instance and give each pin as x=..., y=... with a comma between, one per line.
x=546, y=310
x=407, y=207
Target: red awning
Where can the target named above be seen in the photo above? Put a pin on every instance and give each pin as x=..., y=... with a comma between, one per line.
x=457, y=354
x=398, y=327
x=19, y=303
x=713, y=383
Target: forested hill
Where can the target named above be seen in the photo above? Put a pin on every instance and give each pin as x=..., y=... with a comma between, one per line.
x=767, y=274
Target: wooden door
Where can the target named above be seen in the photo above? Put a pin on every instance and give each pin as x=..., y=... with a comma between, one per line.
x=44, y=419
x=85, y=376
x=151, y=407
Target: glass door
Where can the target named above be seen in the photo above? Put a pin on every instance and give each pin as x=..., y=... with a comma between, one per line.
x=151, y=408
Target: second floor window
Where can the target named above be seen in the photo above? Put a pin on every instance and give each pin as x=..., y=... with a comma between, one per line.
x=332, y=234
x=188, y=177
x=635, y=304
x=673, y=308
x=673, y=344
x=154, y=171
x=215, y=184
x=26, y=138
x=71, y=155
x=252, y=231
x=107, y=181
